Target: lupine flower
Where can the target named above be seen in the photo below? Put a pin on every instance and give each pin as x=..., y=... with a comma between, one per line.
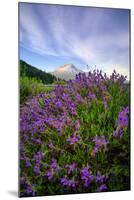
x=49, y=175
x=50, y=145
x=92, y=96
x=72, y=108
x=71, y=167
x=122, y=122
x=77, y=126
x=42, y=129
x=102, y=188
x=74, y=139
x=69, y=183
x=101, y=143
x=28, y=163
x=38, y=157
x=64, y=181
x=65, y=96
x=30, y=190
x=123, y=118
x=37, y=169
x=101, y=178
x=54, y=163
x=38, y=141
x=105, y=104
x=59, y=104
x=78, y=98
x=86, y=176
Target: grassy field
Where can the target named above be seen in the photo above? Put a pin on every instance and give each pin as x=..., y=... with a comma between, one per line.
x=30, y=87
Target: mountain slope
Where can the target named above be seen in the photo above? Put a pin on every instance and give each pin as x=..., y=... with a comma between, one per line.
x=66, y=72
x=32, y=72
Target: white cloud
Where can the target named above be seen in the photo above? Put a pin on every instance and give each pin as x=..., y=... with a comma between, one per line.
x=32, y=32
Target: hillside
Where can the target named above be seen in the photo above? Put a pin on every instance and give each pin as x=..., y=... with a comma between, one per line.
x=32, y=72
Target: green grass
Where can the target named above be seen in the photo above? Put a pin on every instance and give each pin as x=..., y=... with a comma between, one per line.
x=30, y=87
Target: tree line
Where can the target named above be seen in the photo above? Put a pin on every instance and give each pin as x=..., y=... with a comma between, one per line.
x=32, y=72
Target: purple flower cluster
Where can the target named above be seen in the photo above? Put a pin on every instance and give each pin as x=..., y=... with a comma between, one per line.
x=52, y=169
x=38, y=157
x=77, y=125
x=54, y=164
x=71, y=167
x=92, y=96
x=101, y=144
x=50, y=145
x=86, y=176
x=69, y=183
x=30, y=190
x=74, y=139
x=101, y=178
x=122, y=123
x=49, y=174
x=28, y=163
x=102, y=188
x=78, y=98
x=123, y=118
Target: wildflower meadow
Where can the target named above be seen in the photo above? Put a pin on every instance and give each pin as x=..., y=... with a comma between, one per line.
x=76, y=137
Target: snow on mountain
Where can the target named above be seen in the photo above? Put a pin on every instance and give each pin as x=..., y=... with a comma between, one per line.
x=66, y=72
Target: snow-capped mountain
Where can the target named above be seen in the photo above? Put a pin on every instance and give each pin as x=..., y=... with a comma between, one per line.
x=66, y=72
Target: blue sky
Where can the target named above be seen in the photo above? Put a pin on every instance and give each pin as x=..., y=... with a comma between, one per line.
x=52, y=35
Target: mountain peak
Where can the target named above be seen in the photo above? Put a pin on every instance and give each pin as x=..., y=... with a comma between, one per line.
x=66, y=72
x=67, y=67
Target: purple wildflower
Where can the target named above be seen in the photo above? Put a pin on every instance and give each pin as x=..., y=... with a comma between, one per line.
x=92, y=96
x=28, y=163
x=49, y=175
x=77, y=126
x=105, y=104
x=64, y=181
x=38, y=141
x=101, y=178
x=69, y=183
x=87, y=176
x=37, y=169
x=54, y=163
x=50, y=145
x=74, y=139
x=59, y=104
x=78, y=98
x=102, y=188
x=122, y=122
x=72, y=108
x=30, y=191
x=38, y=157
x=123, y=118
x=101, y=143
x=42, y=129
x=65, y=97
x=72, y=183
x=71, y=167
